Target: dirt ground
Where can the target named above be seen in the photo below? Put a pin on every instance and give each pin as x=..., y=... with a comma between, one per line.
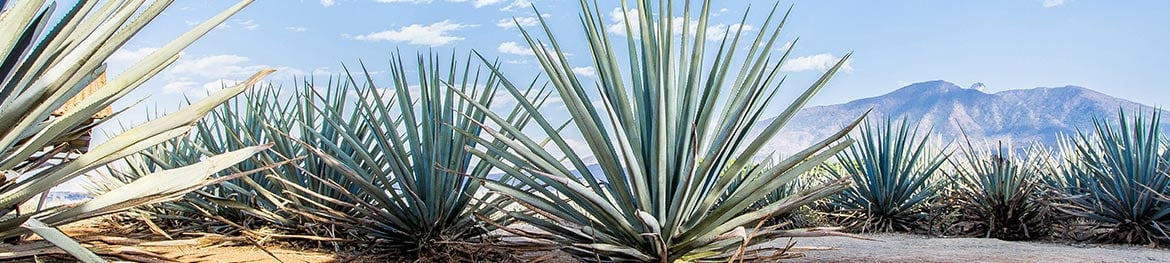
x=915, y=248
x=890, y=248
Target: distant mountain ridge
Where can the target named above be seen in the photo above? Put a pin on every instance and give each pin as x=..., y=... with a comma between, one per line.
x=1020, y=116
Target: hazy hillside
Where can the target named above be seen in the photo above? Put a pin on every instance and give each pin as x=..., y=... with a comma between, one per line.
x=1018, y=116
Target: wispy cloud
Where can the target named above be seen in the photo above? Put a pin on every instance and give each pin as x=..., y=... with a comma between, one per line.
x=517, y=5
x=514, y=49
x=198, y=75
x=508, y=23
x=1053, y=3
x=123, y=58
x=296, y=28
x=434, y=35
x=483, y=3
x=248, y=24
x=328, y=3
x=213, y=66
x=819, y=62
x=405, y=1
x=585, y=71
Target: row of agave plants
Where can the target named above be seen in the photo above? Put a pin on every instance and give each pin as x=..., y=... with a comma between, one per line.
x=1107, y=184
x=434, y=157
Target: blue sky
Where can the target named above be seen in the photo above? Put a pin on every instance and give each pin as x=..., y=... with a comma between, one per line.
x=1114, y=47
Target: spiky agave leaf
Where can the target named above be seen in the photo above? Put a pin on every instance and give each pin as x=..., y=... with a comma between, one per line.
x=1120, y=176
x=1001, y=194
x=669, y=145
x=891, y=167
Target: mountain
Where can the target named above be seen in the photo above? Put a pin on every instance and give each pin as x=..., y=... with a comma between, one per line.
x=1017, y=116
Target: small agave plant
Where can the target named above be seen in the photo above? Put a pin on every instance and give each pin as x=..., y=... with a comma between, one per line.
x=1119, y=177
x=891, y=168
x=1001, y=194
x=671, y=130
x=43, y=67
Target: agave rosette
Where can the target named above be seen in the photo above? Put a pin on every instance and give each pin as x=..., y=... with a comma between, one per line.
x=668, y=143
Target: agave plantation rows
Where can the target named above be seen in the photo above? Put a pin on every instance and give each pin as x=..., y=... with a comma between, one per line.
x=451, y=150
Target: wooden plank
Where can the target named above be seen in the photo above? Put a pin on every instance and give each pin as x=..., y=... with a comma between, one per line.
x=74, y=102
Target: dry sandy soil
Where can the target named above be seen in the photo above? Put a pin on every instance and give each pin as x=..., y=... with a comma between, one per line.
x=890, y=248
x=915, y=248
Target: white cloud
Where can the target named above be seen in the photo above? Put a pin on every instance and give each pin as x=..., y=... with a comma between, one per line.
x=507, y=23
x=517, y=5
x=179, y=86
x=483, y=3
x=123, y=58
x=328, y=3
x=585, y=71
x=787, y=45
x=716, y=32
x=322, y=71
x=187, y=74
x=514, y=49
x=1053, y=3
x=406, y=1
x=249, y=24
x=434, y=35
x=819, y=62
x=619, y=27
x=296, y=28
x=517, y=61
x=217, y=66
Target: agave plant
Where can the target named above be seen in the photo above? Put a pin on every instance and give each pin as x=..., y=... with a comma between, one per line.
x=1002, y=195
x=1119, y=176
x=401, y=167
x=676, y=136
x=42, y=69
x=891, y=168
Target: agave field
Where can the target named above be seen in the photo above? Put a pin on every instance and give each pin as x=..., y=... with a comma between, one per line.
x=449, y=158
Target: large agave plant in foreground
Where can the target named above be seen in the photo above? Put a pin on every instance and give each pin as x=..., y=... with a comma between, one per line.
x=42, y=68
x=670, y=143
x=891, y=168
x=1001, y=194
x=1120, y=176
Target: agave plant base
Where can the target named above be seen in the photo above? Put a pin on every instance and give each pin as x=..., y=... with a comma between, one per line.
x=863, y=222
